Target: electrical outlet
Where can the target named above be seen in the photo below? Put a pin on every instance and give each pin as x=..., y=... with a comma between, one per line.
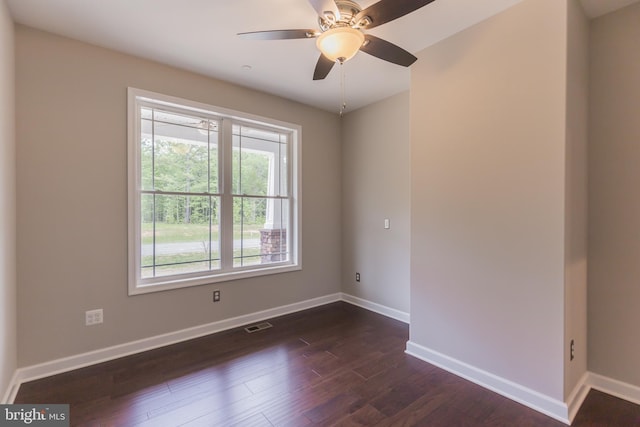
x=93, y=317
x=357, y=277
x=572, y=350
x=216, y=296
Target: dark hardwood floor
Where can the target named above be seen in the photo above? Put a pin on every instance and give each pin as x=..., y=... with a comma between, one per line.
x=332, y=365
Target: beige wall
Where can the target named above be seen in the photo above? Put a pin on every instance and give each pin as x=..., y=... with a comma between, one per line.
x=72, y=200
x=576, y=195
x=487, y=196
x=7, y=203
x=614, y=202
x=496, y=241
x=376, y=185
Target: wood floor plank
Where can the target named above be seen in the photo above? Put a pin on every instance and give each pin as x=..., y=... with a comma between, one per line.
x=333, y=409
x=365, y=416
x=600, y=409
x=332, y=365
x=200, y=404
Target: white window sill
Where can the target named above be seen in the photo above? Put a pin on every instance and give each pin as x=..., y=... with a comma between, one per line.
x=159, y=286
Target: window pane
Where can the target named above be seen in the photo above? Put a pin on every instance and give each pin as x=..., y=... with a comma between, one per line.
x=181, y=158
x=146, y=154
x=282, y=177
x=235, y=165
x=260, y=231
x=248, y=220
x=214, y=177
x=146, y=113
x=256, y=133
x=182, y=235
x=215, y=233
x=259, y=162
x=179, y=119
x=254, y=171
x=274, y=236
x=146, y=239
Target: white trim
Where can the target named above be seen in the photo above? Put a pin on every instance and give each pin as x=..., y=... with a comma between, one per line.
x=137, y=98
x=12, y=390
x=615, y=388
x=70, y=363
x=526, y=396
x=238, y=274
x=376, y=308
x=577, y=396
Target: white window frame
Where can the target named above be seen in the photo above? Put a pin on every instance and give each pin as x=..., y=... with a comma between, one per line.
x=136, y=284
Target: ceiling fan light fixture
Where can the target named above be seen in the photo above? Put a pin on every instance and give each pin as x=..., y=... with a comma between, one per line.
x=340, y=43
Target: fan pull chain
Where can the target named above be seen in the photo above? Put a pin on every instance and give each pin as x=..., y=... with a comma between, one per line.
x=343, y=106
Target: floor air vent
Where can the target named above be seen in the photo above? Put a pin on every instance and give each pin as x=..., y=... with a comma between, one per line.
x=258, y=327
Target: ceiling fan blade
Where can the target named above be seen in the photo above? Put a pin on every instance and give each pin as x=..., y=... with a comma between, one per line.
x=388, y=51
x=323, y=67
x=279, y=34
x=387, y=10
x=324, y=6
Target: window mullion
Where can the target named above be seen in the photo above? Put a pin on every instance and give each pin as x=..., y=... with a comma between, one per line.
x=292, y=192
x=226, y=221
x=153, y=186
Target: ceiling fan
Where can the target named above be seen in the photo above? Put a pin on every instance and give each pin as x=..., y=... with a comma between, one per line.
x=340, y=35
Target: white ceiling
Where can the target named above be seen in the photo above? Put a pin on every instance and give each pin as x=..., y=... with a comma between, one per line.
x=200, y=35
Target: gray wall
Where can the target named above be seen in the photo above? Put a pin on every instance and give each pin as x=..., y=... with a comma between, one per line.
x=72, y=200
x=7, y=203
x=488, y=196
x=576, y=195
x=614, y=202
x=376, y=185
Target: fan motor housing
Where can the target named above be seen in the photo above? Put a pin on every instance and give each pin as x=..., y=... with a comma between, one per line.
x=348, y=11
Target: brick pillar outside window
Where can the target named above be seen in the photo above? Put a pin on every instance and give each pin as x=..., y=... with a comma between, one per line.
x=273, y=245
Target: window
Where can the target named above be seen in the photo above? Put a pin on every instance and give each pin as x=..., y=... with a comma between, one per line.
x=213, y=194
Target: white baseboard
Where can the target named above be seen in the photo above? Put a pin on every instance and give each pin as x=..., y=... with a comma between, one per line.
x=70, y=363
x=577, y=396
x=377, y=308
x=615, y=388
x=12, y=390
x=531, y=398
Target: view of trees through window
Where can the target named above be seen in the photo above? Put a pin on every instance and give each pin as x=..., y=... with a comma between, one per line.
x=181, y=192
